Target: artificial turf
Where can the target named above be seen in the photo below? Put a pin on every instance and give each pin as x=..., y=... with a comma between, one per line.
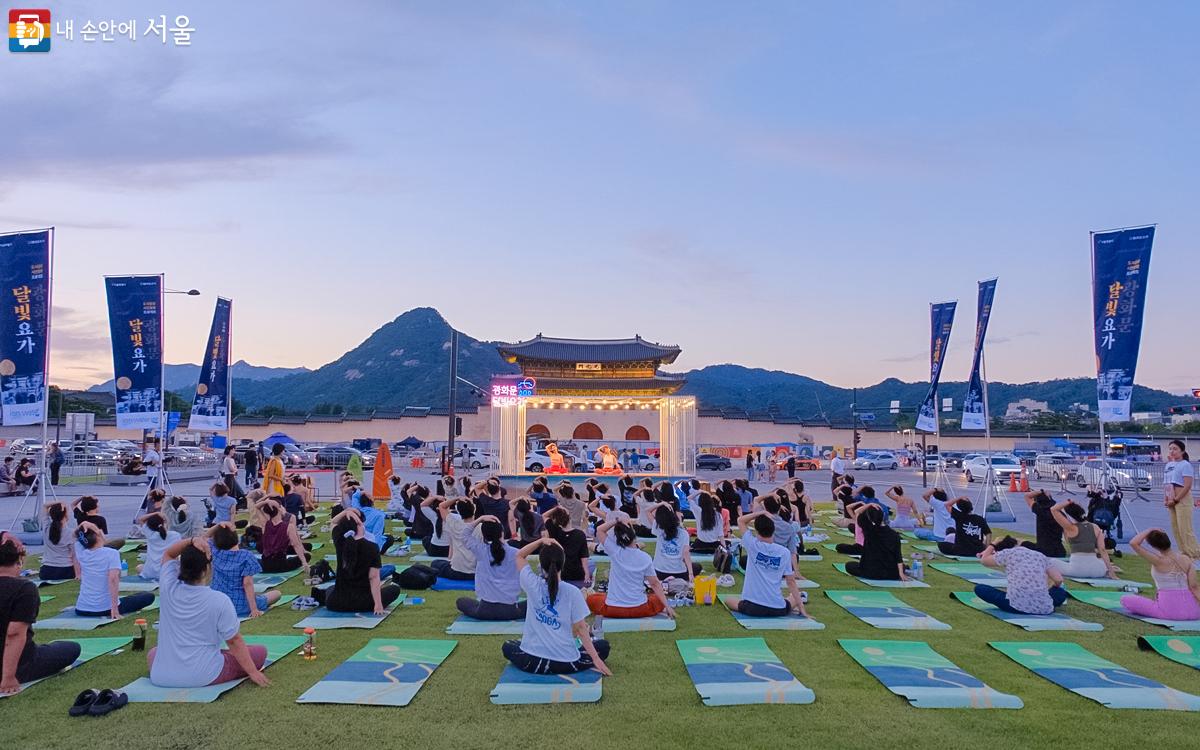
x=649, y=702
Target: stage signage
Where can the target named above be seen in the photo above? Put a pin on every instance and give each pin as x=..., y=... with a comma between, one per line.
x=24, y=322
x=135, y=321
x=1120, y=268
x=512, y=390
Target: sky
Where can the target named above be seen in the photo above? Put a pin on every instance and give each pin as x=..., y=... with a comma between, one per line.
x=774, y=184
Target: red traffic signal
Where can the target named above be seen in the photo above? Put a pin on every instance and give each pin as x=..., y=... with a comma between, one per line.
x=1196, y=393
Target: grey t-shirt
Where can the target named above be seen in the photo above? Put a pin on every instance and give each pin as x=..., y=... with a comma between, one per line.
x=58, y=555
x=495, y=583
x=785, y=534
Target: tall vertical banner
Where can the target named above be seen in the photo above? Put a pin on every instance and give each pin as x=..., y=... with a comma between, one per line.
x=210, y=407
x=941, y=320
x=24, y=326
x=1120, y=267
x=974, y=415
x=135, y=321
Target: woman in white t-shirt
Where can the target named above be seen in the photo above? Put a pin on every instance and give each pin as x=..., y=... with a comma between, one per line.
x=712, y=524
x=557, y=616
x=100, y=578
x=496, y=582
x=58, y=545
x=195, y=621
x=158, y=539
x=455, y=516
x=631, y=571
x=672, y=553
x=1178, y=478
x=436, y=544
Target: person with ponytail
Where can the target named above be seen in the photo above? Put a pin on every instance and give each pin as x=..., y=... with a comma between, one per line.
x=672, y=553
x=1175, y=580
x=1178, y=479
x=496, y=582
x=158, y=538
x=576, y=570
x=180, y=518
x=58, y=545
x=430, y=528
x=456, y=514
x=713, y=525
x=21, y=660
x=490, y=502
x=359, y=585
x=100, y=578
x=631, y=572
x=525, y=524
x=556, y=617
x=281, y=538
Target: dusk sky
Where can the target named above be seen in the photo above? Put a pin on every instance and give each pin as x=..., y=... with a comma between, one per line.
x=778, y=184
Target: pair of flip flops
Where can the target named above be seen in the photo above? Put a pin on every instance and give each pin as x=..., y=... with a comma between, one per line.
x=93, y=703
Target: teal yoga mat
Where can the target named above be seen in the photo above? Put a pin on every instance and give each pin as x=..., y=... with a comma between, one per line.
x=264, y=581
x=142, y=690
x=973, y=572
x=68, y=620
x=638, y=624
x=1182, y=649
x=385, y=672
x=517, y=687
x=326, y=619
x=1073, y=667
x=934, y=549
x=833, y=548
x=787, y=622
x=282, y=601
x=740, y=671
x=1055, y=621
x=881, y=609
x=464, y=625
x=1111, y=601
x=909, y=584
x=915, y=671
x=137, y=583
x=89, y=648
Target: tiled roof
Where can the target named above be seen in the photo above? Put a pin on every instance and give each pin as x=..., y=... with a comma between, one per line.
x=658, y=382
x=249, y=419
x=589, y=350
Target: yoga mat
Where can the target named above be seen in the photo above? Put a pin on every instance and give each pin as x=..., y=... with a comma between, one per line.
x=137, y=583
x=801, y=583
x=881, y=609
x=90, y=648
x=913, y=670
x=909, y=584
x=638, y=624
x=975, y=572
x=934, y=549
x=464, y=625
x=449, y=584
x=68, y=620
x=282, y=601
x=517, y=687
x=39, y=582
x=1110, y=583
x=1073, y=667
x=264, y=581
x=131, y=546
x=1055, y=621
x=1185, y=650
x=787, y=622
x=42, y=598
x=1111, y=601
x=385, y=672
x=425, y=558
x=810, y=558
x=324, y=619
x=142, y=690
x=740, y=671
x=833, y=548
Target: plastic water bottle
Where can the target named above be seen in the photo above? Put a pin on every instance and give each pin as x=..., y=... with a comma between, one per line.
x=124, y=568
x=598, y=629
x=918, y=568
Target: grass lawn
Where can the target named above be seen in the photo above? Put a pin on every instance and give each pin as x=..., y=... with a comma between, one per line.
x=650, y=702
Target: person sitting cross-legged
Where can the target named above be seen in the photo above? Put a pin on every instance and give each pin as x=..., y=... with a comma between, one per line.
x=1034, y=585
x=768, y=565
x=22, y=660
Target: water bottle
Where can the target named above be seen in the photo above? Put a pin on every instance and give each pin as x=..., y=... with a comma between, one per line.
x=139, y=637
x=918, y=568
x=124, y=568
x=598, y=629
x=309, y=649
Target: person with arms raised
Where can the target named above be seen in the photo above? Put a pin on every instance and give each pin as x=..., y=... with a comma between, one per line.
x=768, y=566
x=22, y=660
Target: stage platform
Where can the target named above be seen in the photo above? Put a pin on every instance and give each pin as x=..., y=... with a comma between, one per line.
x=519, y=483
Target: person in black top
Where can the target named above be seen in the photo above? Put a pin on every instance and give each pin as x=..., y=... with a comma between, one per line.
x=791, y=466
x=576, y=570
x=881, y=559
x=22, y=660
x=357, y=587
x=971, y=531
x=490, y=502
x=250, y=459
x=24, y=475
x=1049, y=533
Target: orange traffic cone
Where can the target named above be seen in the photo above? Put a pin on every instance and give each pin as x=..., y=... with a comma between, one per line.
x=1012, y=482
x=1024, y=479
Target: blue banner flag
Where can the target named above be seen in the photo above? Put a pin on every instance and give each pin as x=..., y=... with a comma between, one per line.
x=24, y=323
x=974, y=415
x=941, y=320
x=210, y=407
x=1120, y=267
x=135, y=320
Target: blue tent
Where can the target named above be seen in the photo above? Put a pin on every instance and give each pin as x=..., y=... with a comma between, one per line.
x=411, y=442
x=277, y=437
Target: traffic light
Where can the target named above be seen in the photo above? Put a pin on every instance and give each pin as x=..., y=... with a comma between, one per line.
x=857, y=439
x=457, y=426
x=1196, y=393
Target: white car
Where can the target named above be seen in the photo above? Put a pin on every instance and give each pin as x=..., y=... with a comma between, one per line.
x=539, y=461
x=1057, y=466
x=931, y=462
x=1002, y=468
x=1126, y=475
x=873, y=461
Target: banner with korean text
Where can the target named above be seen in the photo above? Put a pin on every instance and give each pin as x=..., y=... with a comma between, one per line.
x=210, y=407
x=135, y=321
x=941, y=320
x=974, y=415
x=1120, y=267
x=24, y=326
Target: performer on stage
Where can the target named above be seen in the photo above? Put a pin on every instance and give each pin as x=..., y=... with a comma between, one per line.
x=557, y=464
x=608, y=461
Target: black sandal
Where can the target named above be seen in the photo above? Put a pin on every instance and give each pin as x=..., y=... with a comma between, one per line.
x=83, y=703
x=109, y=701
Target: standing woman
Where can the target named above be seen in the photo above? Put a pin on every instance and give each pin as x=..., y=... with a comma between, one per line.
x=100, y=578
x=555, y=620
x=1177, y=496
x=1174, y=579
x=273, y=476
x=496, y=581
x=1085, y=542
x=58, y=545
x=575, y=569
x=229, y=471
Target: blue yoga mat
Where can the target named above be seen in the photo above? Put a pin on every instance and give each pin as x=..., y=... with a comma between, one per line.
x=326, y=619
x=740, y=671
x=787, y=622
x=1055, y=621
x=517, y=687
x=385, y=672
x=464, y=625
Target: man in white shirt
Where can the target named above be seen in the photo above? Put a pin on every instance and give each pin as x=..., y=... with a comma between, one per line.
x=153, y=463
x=838, y=467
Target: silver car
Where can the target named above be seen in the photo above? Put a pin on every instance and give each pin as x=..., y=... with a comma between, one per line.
x=1125, y=475
x=873, y=461
x=1056, y=466
x=1002, y=468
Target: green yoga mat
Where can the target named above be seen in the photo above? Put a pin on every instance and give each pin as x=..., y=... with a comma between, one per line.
x=89, y=648
x=909, y=584
x=881, y=609
x=915, y=671
x=1111, y=601
x=264, y=581
x=42, y=598
x=68, y=620
x=740, y=671
x=464, y=625
x=385, y=672
x=934, y=549
x=973, y=572
x=1073, y=667
x=282, y=601
x=142, y=690
x=1185, y=649
x=521, y=688
x=786, y=622
x=1054, y=621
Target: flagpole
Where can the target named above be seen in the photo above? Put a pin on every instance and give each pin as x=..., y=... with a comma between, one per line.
x=1099, y=413
x=229, y=375
x=42, y=477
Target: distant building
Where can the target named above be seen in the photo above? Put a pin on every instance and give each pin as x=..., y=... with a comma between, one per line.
x=1148, y=417
x=1078, y=408
x=1025, y=410
x=1184, y=418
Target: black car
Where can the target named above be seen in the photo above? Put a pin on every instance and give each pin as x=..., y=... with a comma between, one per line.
x=338, y=456
x=712, y=461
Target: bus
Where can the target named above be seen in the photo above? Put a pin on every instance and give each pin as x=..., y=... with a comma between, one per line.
x=1134, y=449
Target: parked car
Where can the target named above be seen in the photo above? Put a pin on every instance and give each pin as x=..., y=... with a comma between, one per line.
x=538, y=461
x=1057, y=466
x=1125, y=474
x=1002, y=468
x=646, y=462
x=24, y=446
x=712, y=462
x=803, y=463
x=931, y=461
x=338, y=456
x=477, y=459
x=873, y=461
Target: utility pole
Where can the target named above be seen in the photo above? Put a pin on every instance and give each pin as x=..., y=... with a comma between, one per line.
x=449, y=457
x=854, y=421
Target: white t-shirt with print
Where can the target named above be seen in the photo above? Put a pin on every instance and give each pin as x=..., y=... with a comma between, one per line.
x=767, y=564
x=548, y=631
x=668, y=553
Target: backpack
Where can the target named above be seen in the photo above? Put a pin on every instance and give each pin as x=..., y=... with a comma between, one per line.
x=416, y=577
x=322, y=570
x=723, y=558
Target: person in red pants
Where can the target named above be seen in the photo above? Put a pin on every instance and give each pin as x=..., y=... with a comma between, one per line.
x=632, y=570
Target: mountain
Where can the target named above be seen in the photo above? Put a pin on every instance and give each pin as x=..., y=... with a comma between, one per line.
x=404, y=363
x=185, y=376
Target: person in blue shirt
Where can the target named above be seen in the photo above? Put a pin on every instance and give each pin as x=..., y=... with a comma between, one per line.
x=539, y=493
x=374, y=523
x=867, y=496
